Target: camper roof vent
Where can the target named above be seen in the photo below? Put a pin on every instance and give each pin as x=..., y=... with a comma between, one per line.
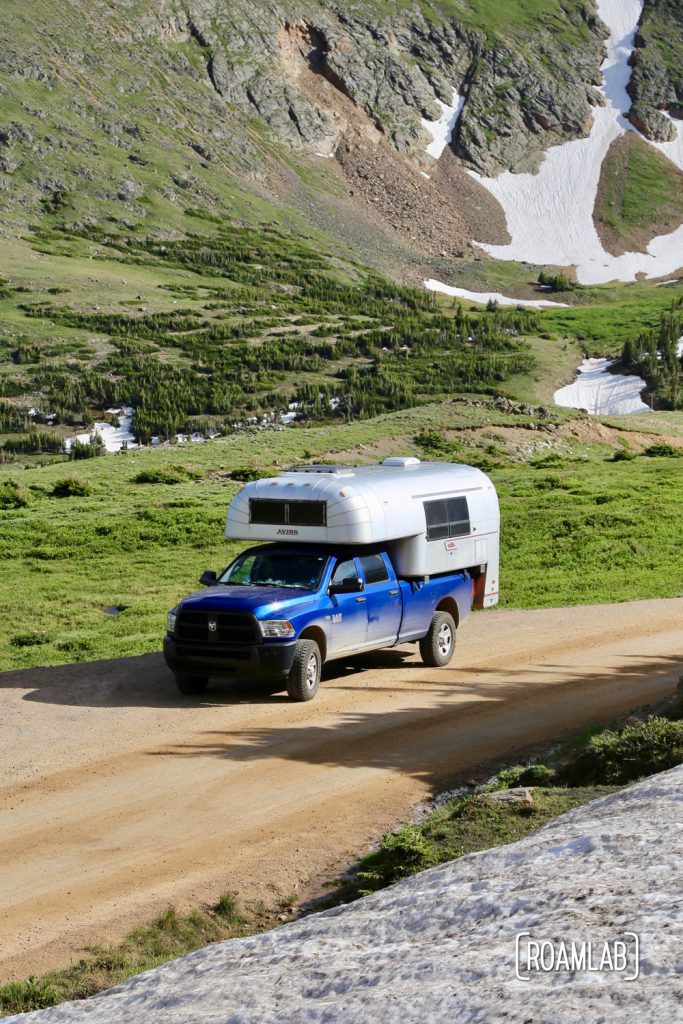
x=328, y=470
x=401, y=461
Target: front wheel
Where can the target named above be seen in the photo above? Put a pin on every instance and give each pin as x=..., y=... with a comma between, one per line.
x=437, y=647
x=304, y=676
x=191, y=686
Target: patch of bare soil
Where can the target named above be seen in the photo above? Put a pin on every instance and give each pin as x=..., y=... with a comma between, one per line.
x=617, y=236
x=589, y=431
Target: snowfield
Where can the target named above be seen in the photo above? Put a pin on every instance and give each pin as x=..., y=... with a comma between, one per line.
x=602, y=393
x=114, y=438
x=550, y=214
x=484, y=297
x=440, y=947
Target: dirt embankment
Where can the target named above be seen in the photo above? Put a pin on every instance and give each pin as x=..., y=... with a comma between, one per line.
x=118, y=796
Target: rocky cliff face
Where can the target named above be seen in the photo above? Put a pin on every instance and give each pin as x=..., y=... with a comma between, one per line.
x=523, y=91
x=657, y=82
x=144, y=110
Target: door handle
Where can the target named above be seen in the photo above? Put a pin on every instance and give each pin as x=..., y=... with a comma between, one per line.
x=360, y=600
x=393, y=593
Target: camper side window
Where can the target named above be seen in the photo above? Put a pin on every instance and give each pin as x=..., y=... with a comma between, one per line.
x=447, y=517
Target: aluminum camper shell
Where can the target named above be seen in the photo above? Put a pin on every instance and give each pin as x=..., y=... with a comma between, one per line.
x=432, y=517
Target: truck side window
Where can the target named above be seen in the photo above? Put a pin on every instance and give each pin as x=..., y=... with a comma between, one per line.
x=447, y=517
x=345, y=571
x=374, y=569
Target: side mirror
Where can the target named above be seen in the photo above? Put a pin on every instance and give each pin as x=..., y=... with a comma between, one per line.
x=208, y=578
x=349, y=586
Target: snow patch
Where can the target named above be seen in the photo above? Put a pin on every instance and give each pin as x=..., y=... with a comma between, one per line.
x=550, y=214
x=440, y=946
x=484, y=297
x=603, y=393
x=441, y=131
x=114, y=438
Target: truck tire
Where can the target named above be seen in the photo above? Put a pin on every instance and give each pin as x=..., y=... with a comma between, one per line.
x=191, y=686
x=304, y=676
x=437, y=647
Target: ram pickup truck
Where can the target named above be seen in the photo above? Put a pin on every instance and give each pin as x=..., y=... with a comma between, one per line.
x=280, y=611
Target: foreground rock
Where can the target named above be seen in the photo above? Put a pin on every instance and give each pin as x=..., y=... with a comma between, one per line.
x=441, y=946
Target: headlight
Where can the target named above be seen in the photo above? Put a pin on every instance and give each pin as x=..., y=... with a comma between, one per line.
x=279, y=628
x=170, y=621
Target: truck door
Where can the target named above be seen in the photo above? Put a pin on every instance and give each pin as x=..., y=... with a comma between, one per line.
x=349, y=612
x=384, y=602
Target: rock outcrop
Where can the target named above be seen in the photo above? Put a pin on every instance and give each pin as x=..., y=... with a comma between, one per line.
x=656, y=85
x=522, y=92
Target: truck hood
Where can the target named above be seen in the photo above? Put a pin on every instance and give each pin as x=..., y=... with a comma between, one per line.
x=271, y=602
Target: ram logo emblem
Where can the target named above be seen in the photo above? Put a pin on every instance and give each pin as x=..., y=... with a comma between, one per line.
x=213, y=625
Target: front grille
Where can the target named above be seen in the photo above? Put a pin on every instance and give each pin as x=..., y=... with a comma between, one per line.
x=230, y=628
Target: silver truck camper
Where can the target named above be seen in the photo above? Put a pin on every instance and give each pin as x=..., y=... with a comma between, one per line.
x=433, y=517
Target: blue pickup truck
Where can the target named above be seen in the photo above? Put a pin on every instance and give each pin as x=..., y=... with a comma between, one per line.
x=281, y=612
x=356, y=559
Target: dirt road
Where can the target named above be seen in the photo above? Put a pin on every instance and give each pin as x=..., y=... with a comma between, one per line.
x=118, y=796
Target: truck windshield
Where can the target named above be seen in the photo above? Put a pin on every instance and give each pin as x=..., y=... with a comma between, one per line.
x=275, y=569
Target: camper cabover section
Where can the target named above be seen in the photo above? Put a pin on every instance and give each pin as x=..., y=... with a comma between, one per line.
x=433, y=518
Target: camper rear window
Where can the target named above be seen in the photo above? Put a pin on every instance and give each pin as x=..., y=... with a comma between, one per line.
x=287, y=513
x=447, y=517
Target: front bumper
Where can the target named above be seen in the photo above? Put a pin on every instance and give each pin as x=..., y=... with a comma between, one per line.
x=266, y=660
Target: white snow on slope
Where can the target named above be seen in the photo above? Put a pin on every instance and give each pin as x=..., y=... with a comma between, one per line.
x=442, y=130
x=549, y=214
x=440, y=947
x=114, y=438
x=484, y=297
x=602, y=393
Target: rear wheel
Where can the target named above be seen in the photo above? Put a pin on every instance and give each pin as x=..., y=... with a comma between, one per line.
x=191, y=686
x=437, y=647
x=304, y=676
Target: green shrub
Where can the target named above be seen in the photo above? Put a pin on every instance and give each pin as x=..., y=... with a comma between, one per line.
x=661, y=449
x=245, y=474
x=400, y=854
x=12, y=495
x=71, y=487
x=164, y=475
x=32, y=639
x=623, y=455
x=25, y=996
x=639, y=749
x=551, y=461
x=531, y=775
